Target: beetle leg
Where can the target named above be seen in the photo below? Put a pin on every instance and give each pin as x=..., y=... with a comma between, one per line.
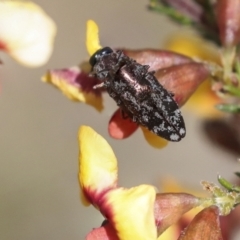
x=91, y=74
x=124, y=114
x=146, y=67
x=100, y=85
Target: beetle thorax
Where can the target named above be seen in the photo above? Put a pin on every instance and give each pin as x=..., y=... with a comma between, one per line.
x=107, y=66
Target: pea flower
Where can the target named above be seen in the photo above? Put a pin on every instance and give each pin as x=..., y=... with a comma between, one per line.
x=98, y=180
x=75, y=82
x=228, y=20
x=220, y=130
x=135, y=213
x=228, y=224
x=26, y=32
x=169, y=184
x=219, y=22
x=180, y=75
x=203, y=101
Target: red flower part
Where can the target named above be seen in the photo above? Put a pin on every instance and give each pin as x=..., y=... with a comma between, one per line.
x=26, y=32
x=121, y=127
x=169, y=208
x=204, y=226
x=76, y=85
x=3, y=46
x=182, y=80
x=79, y=79
x=106, y=232
x=157, y=59
x=230, y=223
x=228, y=18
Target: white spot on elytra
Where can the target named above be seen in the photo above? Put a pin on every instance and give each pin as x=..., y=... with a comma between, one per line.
x=182, y=131
x=174, y=137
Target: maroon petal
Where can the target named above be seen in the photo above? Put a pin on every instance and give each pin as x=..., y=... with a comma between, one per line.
x=228, y=18
x=230, y=223
x=204, y=226
x=169, y=207
x=105, y=232
x=182, y=80
x=157, y=59
x=121, y=127
x=74, y=76
x=77, y=85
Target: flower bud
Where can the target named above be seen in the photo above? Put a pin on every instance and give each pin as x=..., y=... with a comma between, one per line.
x=169, y=207
x=204, y=226
x=228, y=19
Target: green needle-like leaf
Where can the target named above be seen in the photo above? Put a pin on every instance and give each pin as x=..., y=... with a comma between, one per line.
x=231, y=108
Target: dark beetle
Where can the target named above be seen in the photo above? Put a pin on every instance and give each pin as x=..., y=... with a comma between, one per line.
x=138, y=93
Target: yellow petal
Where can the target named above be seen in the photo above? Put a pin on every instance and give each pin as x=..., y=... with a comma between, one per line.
x=97, y=164
x=193, y=46
x=132, y=212
x=92, y=40
x=170, y=234
x=26, y=32
x=204, y=98
x=169, y=184
x=68, y=81
x=203, y=102
x=153, y=139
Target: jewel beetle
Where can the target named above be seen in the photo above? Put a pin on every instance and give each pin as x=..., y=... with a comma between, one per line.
x=138, y=93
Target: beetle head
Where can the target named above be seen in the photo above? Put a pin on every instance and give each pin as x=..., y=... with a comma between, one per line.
x=98, y=54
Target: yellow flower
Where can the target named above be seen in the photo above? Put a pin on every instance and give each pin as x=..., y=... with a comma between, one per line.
x=171, y=185
x=75, y=82
x=97, y=164
x=76, y=85
x=202, y=102
x=193, y=46
x=130, y=211
x=135, y=213
x=26, y=32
